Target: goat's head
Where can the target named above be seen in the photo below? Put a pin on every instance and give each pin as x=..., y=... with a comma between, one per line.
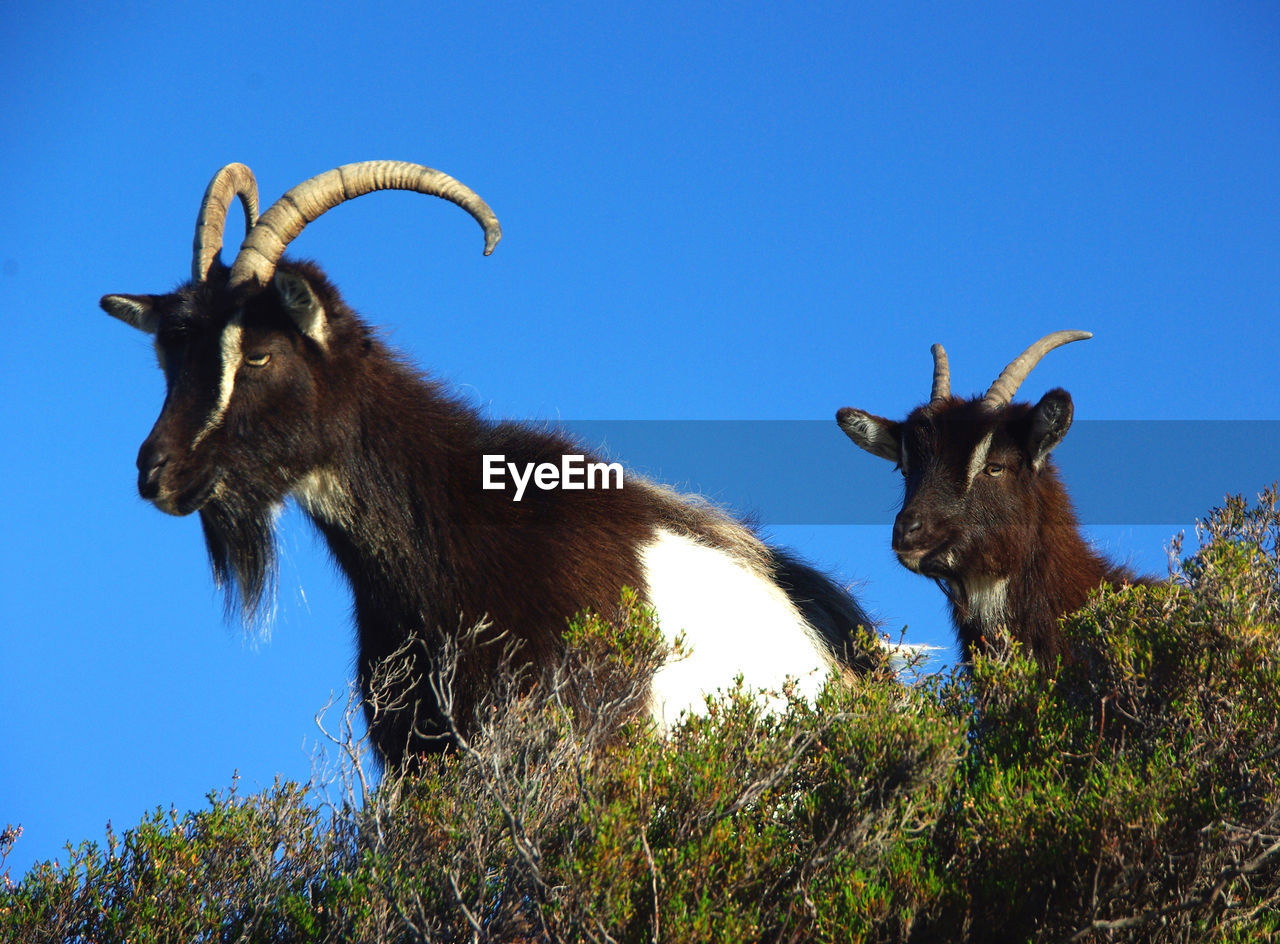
x=976, y=472
x=252, y=358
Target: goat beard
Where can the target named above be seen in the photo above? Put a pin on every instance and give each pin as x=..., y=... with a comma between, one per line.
x=239, y=534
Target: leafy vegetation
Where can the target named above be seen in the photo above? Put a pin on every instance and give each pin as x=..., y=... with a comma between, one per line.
x=1132, y=794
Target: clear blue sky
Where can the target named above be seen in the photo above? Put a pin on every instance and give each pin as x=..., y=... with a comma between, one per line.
x=712, y=211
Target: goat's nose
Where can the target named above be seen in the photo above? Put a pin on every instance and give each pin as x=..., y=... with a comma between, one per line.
x=906, y=528
x=150, y=463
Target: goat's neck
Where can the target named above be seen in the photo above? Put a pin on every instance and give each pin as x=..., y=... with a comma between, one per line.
x=385, y=501
x=1025, y=603
x=426, y=549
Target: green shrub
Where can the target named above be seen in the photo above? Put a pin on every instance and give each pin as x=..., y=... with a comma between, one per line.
x=1132, y=793
x=1137, y=789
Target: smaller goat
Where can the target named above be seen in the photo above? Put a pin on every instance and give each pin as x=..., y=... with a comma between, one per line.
x=984, y=514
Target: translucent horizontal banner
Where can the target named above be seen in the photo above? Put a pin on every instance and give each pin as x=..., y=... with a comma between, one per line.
x=781, y=472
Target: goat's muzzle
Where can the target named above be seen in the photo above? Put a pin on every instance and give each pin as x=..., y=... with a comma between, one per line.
x=155, y=483
x=151, y=464
x=914, y=541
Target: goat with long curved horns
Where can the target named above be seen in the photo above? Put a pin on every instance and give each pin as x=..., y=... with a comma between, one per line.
x=276, y=389
x=983, y=512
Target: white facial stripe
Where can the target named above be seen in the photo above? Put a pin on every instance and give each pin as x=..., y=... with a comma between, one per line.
x=231, y=356
x=979, y=459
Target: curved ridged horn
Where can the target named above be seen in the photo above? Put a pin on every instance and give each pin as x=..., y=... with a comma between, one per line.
x=234, y=180
x=1006, y=385
x=280, y=225
x=941, y=374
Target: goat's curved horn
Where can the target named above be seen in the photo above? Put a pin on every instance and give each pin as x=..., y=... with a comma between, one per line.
x=941, y=374
x=266, y=242
x=1006, y=385
x=234, y=180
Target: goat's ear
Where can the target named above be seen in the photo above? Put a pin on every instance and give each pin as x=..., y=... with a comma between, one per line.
x=1050, y=421
x=300, y=301
x=877, y=435
x=137, y=311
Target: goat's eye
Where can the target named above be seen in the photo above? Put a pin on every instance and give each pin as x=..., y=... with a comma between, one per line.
x=994, y=469
x=257, y=360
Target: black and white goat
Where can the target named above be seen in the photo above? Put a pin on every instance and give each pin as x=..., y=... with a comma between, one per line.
x=983, y=512
x=276, y=389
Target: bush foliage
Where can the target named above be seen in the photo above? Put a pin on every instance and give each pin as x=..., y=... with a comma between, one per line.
x=1132, y=794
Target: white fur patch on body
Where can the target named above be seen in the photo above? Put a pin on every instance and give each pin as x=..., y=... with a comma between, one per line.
x=321, y=495
x=231, y=356
x=988, y=600
x=735, y=621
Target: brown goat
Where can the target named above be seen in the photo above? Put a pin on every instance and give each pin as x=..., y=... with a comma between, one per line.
x=276, y=389
x=984, y=513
